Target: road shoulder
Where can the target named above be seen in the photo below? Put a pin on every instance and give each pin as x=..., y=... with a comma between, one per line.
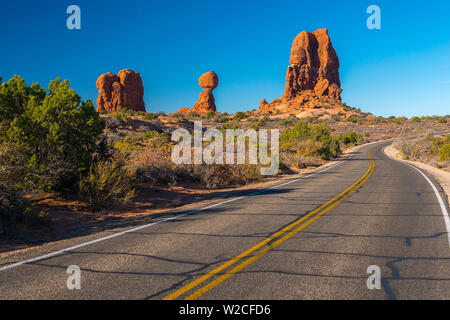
x=441, y=176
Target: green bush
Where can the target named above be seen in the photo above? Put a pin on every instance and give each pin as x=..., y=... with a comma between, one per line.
x=150, y=116
x=107, y=184
x=444, y=152
x=294, y=138
x=193, y=114
x=127, y=145
x=263, y=121
x=353, y=118
x=211, y=114
x=55, y=130
x=15, y=182
x=240, y=116
x=178, y=116
x=350, y=138
x=157, y=139
x=12, y=207
x=437, y=143
x=123, y=114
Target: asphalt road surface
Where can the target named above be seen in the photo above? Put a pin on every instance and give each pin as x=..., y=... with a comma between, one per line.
x=313, y=238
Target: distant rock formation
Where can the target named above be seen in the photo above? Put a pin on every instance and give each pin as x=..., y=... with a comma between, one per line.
x=206, y=103
x=313, y=73
x=124, y=90
x=264, y=107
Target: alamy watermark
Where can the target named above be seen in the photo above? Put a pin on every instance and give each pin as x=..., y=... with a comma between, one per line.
x=74, y=280
x=232, y=146
x=374, y=281
x=374, y=20
x=73, y=22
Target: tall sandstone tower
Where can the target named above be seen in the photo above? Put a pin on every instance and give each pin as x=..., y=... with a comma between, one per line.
x=313, y=73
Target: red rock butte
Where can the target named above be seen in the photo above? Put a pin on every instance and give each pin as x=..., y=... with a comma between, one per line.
x=313, y=73
x=124, y=90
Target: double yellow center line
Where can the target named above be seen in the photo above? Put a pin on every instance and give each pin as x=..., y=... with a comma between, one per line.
x=280, y=237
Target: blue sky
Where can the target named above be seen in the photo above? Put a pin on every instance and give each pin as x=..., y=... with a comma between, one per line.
x=402, y=69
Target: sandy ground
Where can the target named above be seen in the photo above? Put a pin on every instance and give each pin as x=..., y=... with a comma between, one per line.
x=443, y=177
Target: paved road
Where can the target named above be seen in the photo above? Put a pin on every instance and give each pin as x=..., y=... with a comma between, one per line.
x=311, y=239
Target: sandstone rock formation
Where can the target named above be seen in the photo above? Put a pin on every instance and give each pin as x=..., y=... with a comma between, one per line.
x=313, y=74
x=206, y=103
x=124, y=90
x=313, y=62
x=264, y=107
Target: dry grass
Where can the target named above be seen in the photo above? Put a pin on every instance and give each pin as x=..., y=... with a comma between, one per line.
x=429, y=150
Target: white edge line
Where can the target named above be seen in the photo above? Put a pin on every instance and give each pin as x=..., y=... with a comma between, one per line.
x=56, y=253
x=439, y=198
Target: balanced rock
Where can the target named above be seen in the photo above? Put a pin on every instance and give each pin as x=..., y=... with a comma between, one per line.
x=124, y=90
x=206, y=103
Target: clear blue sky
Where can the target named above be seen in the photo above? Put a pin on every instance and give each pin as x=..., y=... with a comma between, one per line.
x=403, y=69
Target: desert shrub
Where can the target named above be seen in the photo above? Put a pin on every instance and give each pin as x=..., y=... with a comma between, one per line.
x=264, y=120
x=293, y=160
x=353, y=118
x=416, y=119
x=335, y=118
x=442, y=120
x=127, y=145
x=56, y=131
x=308, y=148
x=330, y=149
x=211, y=114
x=13, y=207
x=220, y=118
x=239, y=116
x=107, y=184
x=123, y=114
x=229, y=125
x=153, y=166
x=150, y=116
x=286, y=123
x=157, y=139
x=444, y=152
x=436, y=143
x=156, y=167
x=178, y=116
x=213, y=176
x=409, y=150
x=350, y=138
x=113, y=123
x=193, y=114
x=292, y=139
x=15, y=182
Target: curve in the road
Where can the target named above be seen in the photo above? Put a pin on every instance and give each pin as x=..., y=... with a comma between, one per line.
x=281, y=237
